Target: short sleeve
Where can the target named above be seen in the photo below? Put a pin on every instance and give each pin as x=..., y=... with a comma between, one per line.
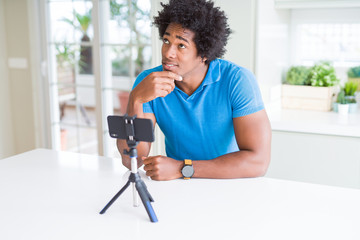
x=245, y=94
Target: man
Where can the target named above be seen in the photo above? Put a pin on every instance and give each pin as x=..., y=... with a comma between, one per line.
x=210, y=110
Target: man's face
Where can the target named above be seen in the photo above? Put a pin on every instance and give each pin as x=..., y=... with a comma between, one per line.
x=179, y=53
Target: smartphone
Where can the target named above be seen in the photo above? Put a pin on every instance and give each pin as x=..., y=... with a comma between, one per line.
x=143, y=128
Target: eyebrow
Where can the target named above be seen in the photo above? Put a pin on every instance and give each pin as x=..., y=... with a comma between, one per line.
x=179, y=37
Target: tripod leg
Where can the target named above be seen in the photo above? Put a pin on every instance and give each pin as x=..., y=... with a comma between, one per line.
x=146, y=200
x=147, y=192
x=135, y=196
x=115, y=197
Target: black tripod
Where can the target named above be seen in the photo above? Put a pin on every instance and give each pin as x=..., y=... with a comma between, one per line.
x=134, y=178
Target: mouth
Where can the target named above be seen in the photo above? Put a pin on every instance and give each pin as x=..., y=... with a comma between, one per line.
x=169, y=66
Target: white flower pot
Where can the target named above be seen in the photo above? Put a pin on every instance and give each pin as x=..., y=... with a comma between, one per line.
x=353, y=107
x=343, y=109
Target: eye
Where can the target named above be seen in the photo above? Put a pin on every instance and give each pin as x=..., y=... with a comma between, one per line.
x=166, y=41
x=182, y=46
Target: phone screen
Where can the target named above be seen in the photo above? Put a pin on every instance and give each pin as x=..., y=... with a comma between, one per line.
x=143, y=128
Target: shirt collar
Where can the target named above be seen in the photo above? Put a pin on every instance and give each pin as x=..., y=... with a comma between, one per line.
x=213, y=73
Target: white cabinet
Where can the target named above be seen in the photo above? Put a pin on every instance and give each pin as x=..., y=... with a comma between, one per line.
x=316, y=158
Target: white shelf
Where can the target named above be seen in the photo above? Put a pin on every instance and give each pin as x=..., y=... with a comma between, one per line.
x=328, y=123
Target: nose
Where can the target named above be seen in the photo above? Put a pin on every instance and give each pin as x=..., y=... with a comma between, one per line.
x=169, y=51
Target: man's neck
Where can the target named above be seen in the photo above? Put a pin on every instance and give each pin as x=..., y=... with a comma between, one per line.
x=191, y=82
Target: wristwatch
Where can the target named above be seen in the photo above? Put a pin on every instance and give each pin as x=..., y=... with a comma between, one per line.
x=188, y=170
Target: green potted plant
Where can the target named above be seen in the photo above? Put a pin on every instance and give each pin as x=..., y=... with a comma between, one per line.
x=310, y=88
x=323, y=75
x=343, y=106
x=82, y=24
x=298, y=75
x=350, y=90
x=354, y=75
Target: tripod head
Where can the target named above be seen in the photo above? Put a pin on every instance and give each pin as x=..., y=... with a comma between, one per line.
x=131, y=129
x=130, y=132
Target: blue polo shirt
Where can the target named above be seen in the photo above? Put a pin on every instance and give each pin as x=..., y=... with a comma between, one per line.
x=200, y=126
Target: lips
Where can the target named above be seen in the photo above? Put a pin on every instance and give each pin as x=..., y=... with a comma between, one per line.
x=169, y=66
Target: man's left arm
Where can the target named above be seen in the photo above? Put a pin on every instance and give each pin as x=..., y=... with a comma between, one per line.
x=253, y=136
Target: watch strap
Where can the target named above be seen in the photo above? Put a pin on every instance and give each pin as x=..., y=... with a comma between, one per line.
x=187, y=162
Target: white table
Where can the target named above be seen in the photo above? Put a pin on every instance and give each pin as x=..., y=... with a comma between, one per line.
x=46, y=194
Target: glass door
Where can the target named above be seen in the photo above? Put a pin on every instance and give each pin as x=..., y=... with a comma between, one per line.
x=95, y=51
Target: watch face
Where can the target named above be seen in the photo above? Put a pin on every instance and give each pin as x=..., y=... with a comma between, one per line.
x=187, y=171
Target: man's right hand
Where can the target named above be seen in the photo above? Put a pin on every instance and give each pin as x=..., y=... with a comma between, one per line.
x=156, y=84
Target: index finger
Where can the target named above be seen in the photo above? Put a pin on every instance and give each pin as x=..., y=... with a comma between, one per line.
x=172, y=75
x=146, y=160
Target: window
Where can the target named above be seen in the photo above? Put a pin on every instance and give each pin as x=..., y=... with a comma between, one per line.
x=339, y=43
x=95, y=51
x=326, y=34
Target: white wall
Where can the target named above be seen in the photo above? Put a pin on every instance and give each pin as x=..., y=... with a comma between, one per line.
x=272, y=48
x=17, y=120
x=6, y=133
x=241, y=19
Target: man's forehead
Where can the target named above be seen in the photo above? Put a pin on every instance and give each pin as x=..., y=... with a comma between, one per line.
x=179, y=31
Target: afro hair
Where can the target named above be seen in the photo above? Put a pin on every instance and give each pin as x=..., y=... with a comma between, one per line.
x=208, y=23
